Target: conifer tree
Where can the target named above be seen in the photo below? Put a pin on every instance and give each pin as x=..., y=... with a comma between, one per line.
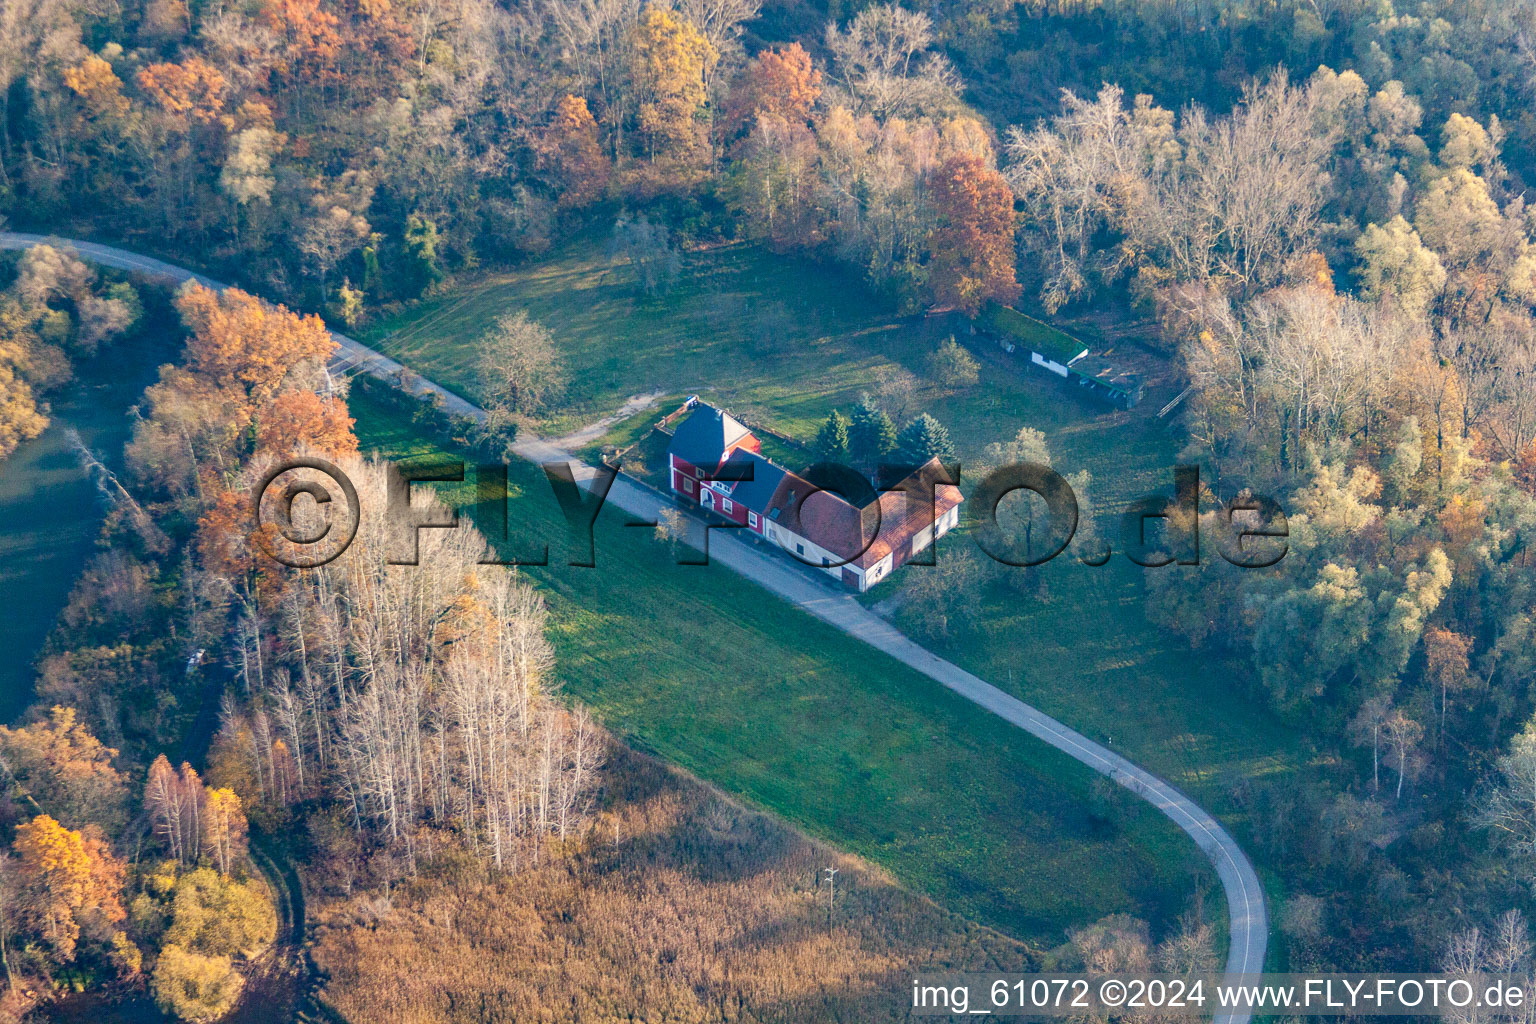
x=925, y=438
x=871, y=434
x=832, y=438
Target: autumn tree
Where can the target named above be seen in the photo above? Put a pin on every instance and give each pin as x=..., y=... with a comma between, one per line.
x=344, y=699
x=248, y=176
x=298, y=420
x=778, y=83
x=192, y=91
x=242, y=343
x=573, y=150
x=1398, y=267
x=195, y=988
x=214, y=915
x=64, y=769
x=1446, y=666
x=224, y=828
x=175, y=802
x=952, y=367
x=972, y=247
x=100, y=92
x=20, y=418
x=668, y=62
x=67, y=885
x=308, y=43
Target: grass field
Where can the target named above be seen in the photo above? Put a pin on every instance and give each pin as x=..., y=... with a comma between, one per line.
x=707, y=670
x=1079, y=645
x=828, y=340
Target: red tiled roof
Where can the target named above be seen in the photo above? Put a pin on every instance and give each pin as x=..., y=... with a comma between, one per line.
x=863, y=536
x=903, y=513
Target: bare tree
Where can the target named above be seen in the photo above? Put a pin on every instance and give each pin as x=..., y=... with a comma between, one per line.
x=671, y=526
x=896, y=391
x=881, y=62
x=1507, y=803
x=719, y=21
x=1365, y=728
x=521, y=368
x=1228, y=197
x=1402, y=735
x=422, y=696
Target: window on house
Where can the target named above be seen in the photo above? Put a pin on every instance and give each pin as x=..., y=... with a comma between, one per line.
x=752, y=520
x=688, y=484
x=725, y=503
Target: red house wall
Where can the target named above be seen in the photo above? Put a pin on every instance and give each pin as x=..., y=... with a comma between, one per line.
x=681, y=471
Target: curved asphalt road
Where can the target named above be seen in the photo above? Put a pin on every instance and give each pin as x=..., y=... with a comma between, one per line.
x=1248, y=920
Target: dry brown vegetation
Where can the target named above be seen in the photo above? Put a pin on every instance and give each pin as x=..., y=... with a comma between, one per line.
x=678, y=905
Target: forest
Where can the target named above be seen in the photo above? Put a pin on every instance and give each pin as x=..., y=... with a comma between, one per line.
x=1312, y=212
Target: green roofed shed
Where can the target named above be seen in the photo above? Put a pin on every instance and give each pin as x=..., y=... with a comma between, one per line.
x=1043, y=340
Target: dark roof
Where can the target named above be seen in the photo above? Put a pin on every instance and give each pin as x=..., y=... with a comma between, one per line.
x=705, y=436
x=1105, y=374
x=757, y=492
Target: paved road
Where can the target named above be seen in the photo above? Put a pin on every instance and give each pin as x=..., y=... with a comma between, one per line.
x=1248, y=920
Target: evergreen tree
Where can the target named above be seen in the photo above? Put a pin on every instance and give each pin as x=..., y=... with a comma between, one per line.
x=832, y=438
x=871, y=434
x=925, y=438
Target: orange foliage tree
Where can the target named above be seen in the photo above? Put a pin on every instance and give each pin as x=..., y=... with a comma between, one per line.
x=572, y=148
x=669, y=60
x=239, y=341
x=99, y=89
x=302, y=419
x=66, y=882
x=308, y=40
x=226, y=542
x=972, y=247
x=224, y=828
x=193, y=89
x=64, y=768
x=779, y=83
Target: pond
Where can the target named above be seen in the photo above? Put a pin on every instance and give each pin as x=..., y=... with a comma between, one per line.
x=50, y=514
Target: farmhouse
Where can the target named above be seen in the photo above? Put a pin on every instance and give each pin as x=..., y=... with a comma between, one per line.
x=715, y=462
